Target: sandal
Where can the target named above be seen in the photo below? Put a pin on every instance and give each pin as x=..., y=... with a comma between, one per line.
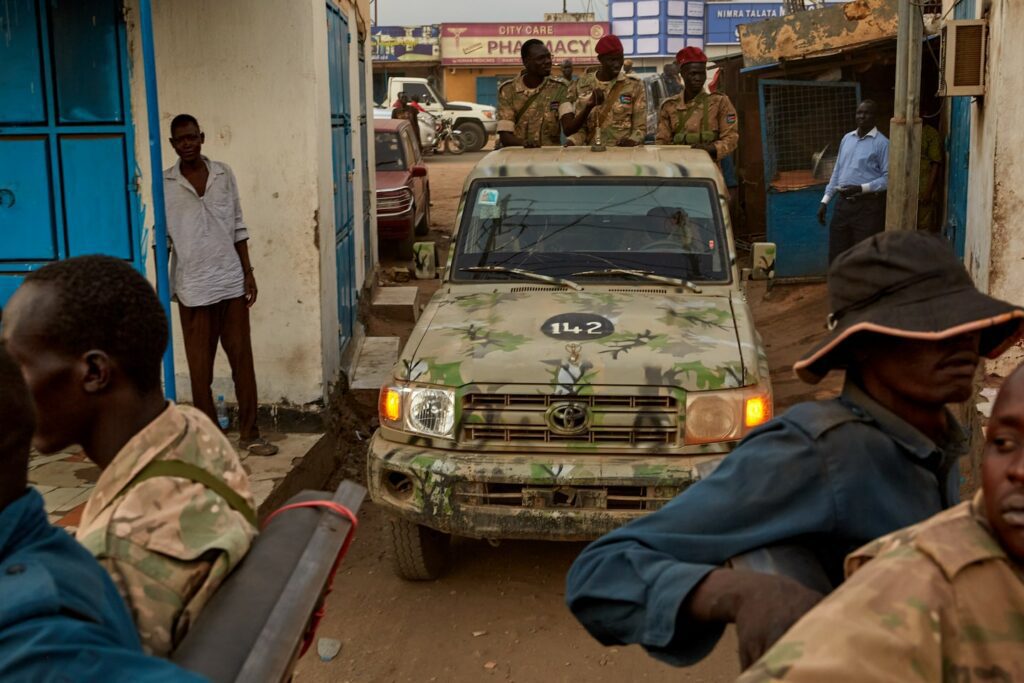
x=258, y=446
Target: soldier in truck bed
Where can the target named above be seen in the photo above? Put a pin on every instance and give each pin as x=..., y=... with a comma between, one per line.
x=693, y=117
x=529, y=104
x=610, y=105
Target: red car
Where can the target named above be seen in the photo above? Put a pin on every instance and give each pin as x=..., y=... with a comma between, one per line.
x=403, y=189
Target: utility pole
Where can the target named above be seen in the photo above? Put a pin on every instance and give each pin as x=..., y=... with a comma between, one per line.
x=905, y=127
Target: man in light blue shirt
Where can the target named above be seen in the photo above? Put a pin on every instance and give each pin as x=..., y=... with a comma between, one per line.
x=860, y=178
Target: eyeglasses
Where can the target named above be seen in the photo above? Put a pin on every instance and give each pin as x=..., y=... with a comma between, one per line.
x=191, y=137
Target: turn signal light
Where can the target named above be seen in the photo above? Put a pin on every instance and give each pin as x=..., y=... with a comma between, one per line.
x=758, y=411
x=390, y=407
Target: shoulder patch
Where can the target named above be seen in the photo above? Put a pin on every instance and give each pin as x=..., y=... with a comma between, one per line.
x=730, y=118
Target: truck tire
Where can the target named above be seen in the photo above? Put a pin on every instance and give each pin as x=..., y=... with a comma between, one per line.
x=423, y=227
x=474, y=137
x=418, y=553
x=404, y=245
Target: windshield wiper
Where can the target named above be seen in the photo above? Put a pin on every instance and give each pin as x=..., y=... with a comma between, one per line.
x=524, y=273
x=644, y=274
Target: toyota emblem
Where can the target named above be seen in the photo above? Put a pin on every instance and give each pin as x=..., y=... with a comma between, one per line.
x=569, y=419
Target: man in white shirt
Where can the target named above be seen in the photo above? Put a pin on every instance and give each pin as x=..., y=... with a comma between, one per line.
x=211, y=275
x=859, y=180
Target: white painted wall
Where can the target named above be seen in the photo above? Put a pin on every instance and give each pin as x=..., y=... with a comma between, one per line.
x=994, y=249
x=255, y=75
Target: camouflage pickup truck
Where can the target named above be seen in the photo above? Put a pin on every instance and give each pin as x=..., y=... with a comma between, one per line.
x=590, y=353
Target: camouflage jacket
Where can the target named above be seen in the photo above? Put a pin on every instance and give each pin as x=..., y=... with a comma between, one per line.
x=625, y=116
x=532, y=114
x=168, y=542
x=706, y=118
x=938, y=601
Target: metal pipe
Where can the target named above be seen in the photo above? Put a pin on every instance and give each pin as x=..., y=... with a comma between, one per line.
x=156, y=171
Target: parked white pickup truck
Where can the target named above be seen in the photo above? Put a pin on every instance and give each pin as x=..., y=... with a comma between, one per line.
x=476, y=122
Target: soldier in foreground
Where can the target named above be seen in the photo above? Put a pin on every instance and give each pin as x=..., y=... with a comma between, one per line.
x=908, y=327
x=61, y=617
x=940, y=601
x=528, y=105
x=696, y=118
x=171, y=514
x=611, y=106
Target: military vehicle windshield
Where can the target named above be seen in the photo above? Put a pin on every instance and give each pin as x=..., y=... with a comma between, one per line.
x=669, y=227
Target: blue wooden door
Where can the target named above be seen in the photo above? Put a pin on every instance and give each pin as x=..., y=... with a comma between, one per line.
x=343, y=166
x=487, y=89
x=958, y=152
x=66, y=147
x=801, y=121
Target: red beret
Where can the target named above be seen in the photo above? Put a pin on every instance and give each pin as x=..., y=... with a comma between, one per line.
x=609, y=45
x=691, y=54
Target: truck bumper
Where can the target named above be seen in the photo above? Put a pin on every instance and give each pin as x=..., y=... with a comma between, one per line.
x=526, y=496
x=491, y=127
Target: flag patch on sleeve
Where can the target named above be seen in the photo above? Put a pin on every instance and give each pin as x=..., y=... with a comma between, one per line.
x=730, y=118
x=626, y=99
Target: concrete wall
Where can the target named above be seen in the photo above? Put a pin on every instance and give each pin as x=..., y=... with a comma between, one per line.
x=995, y=234
x=257, y=81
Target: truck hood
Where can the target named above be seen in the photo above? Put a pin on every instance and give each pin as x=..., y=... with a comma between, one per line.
x=503, y=337
x=470, y=106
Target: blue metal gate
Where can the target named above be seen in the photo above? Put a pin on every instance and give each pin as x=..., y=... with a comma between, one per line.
x=958, y=152
x=66, y=139
x=802, y=124
x=344, y=166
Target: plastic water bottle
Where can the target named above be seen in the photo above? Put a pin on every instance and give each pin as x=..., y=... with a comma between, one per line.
x=222, y=414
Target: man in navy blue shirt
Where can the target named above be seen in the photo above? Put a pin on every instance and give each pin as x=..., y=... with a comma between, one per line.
x=61, y=618
x=909, y=328
x=859, y=180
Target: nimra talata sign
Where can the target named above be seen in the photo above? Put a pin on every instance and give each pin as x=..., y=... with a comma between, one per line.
x=723, y=18
x=499, y=44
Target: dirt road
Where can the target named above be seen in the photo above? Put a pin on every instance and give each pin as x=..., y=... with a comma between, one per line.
x=499, y=614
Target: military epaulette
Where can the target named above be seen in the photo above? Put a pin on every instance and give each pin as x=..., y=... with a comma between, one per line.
x=558, y=80
x=672, y=98
x=633, y=76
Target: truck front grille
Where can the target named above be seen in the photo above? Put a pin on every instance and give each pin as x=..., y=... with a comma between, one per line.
x=612, y=420
x=643, y=498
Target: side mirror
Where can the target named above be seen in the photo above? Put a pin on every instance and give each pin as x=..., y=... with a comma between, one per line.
x=763, y=258
x=418, y=171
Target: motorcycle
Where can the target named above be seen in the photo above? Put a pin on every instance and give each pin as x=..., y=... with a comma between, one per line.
x=447, y=139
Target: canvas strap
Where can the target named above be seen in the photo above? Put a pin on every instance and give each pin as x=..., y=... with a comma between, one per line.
x=609, y=100
x=526, y=105
x=684, y=116
x=184, y=470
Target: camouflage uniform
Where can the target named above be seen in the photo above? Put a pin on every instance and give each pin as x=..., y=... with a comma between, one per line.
x=621, y=116
x=705, y=118
x=532, y=114
x=942, y=602
x=168, y=542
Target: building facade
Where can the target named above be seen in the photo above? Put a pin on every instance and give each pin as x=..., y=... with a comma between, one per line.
x=281, y=93
x=993, y=197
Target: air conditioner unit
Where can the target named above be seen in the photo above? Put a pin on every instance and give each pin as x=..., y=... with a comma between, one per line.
x=963, y=58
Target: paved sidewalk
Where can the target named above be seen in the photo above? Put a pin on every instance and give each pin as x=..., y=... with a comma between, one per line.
x=66, y=479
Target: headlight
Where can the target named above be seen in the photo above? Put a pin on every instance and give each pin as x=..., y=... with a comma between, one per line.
x=431, y=411
x=489, y=114
x=715, y=416
x=425, y=410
